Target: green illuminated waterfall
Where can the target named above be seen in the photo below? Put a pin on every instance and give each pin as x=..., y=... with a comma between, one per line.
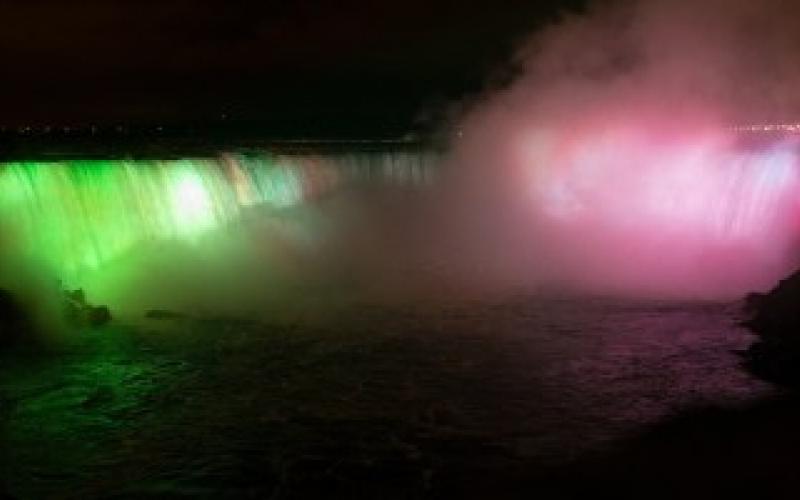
x=74, y=216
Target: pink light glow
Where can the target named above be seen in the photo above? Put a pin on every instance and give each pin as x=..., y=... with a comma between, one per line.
x=611, y=163
x=626, y=202
x=699, y=188
x=626, y=208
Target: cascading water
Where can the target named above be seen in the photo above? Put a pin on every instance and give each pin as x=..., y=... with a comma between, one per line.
x=609, y=210
x=635, y=207
x=75, y=216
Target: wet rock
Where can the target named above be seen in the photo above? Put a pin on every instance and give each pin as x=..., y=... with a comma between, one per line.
x=777, y=313
x=10, y=311
x=79, y=312
x=753, y=301
x=98, y=315
x=774, y=361
x=13, y=319
x=775, y=319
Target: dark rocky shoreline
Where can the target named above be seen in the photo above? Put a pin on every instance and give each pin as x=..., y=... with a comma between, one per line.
x=775, y=319
x=18, y=326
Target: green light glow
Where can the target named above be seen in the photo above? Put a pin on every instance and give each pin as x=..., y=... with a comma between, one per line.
x=76, y=215
x=191, y=204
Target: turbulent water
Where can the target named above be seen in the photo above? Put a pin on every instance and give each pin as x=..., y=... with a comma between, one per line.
x=395, y=401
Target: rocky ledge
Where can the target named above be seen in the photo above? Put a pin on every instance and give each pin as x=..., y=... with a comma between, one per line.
x=775, y=319
x=18, y=326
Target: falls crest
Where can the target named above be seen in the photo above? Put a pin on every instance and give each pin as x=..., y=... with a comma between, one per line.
x=74, y=216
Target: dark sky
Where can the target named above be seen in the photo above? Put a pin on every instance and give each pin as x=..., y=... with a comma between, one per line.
x=311, y=60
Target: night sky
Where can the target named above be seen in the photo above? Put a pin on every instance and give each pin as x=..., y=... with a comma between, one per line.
x=349, y=63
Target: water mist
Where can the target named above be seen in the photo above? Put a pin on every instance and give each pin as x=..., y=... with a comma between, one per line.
x=613, y=162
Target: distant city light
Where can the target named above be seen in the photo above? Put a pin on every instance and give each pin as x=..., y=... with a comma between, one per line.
x=768, y=127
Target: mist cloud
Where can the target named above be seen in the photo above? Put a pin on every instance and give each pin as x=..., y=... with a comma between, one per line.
x=609, y=163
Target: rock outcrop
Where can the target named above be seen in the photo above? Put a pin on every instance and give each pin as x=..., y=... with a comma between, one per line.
x=18, y=324
x=79, y=312
x=775, y=318
x=13, y=319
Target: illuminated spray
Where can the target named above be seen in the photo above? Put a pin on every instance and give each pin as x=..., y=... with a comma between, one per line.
x=644, y=146
x=76, y=216
x=703, y=187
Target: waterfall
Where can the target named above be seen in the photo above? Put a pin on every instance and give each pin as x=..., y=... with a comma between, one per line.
x=73, y=215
